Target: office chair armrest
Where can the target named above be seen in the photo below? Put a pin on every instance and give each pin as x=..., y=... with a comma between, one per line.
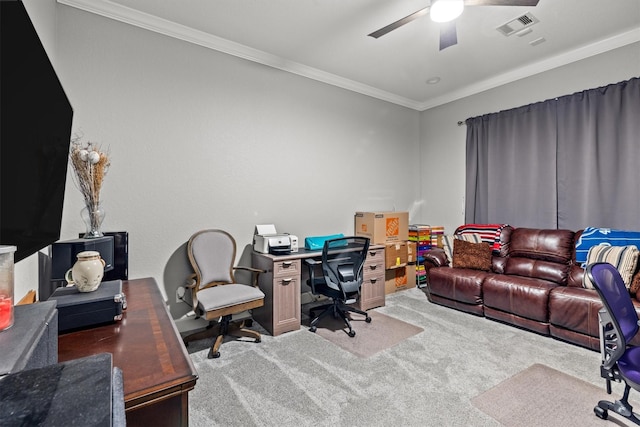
x=311, y=264
x=255, y=272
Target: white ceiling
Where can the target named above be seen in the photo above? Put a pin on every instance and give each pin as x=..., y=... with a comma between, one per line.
x=327, y=40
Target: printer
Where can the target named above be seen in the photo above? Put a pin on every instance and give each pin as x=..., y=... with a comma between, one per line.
x=267, y=241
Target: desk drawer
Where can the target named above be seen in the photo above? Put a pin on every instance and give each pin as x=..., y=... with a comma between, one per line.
x=375, y=255
x=286, y=268
x=371, y=269
x=372, y=292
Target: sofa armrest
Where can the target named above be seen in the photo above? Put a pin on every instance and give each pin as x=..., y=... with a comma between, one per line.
x=576, y=274
x=435, y=257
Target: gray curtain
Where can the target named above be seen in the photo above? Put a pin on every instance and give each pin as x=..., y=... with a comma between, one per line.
x=568, y=162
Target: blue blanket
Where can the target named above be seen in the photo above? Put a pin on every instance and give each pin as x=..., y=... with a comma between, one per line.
x=604, y=236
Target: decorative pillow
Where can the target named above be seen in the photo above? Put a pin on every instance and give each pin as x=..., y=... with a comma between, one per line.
x=623, y=258
x=489, y=233
x=635, y=284
x=476, y=256
x=447, y=243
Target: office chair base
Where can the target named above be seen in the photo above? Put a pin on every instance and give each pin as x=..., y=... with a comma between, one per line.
x=338, y=310
x=226, y=328
x=619, y=407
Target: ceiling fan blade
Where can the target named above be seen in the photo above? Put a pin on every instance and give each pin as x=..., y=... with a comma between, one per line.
x=448, y=34
x=399, y=23
x=501, y=2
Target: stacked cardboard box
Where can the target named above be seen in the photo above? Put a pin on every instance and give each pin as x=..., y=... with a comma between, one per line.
x=399, y=273
x=392, y=230
x=382, y=227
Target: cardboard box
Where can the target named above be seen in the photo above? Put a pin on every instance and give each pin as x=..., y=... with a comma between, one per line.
x=411, y=276
x=399, y=279
x=395, y=254
x=382, y=227
x=412, y=252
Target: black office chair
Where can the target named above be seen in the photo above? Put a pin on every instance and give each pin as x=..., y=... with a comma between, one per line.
x=342, y=268
x=618, y=325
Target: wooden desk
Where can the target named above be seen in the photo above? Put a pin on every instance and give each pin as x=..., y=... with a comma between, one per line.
x=157, y=371
x=282, y=284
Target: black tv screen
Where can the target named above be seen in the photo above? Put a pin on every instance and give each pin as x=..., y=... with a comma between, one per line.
x=35, y=131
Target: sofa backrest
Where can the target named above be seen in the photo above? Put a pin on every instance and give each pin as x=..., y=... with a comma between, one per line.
x=545, y=254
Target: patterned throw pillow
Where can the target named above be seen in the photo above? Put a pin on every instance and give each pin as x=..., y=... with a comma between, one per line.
x=476, y=256
x=447, y=243
x=623, y=258
x=635, y=284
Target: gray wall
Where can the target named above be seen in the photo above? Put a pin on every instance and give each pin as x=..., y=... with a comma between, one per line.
x=200, y=139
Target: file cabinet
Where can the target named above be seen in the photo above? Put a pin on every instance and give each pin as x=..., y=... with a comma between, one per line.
x=372, y=291
x=282, y=282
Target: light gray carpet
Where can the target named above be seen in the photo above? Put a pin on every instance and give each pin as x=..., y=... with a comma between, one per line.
x=428, y=379
x=546, y=397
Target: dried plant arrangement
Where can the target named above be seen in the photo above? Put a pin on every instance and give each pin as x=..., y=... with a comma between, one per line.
x=90, y=165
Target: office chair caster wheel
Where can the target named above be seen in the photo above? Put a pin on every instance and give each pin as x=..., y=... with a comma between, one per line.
x=351, y=333
x=258, y=340
x=368, y=319
x=313, y=329
x=213, y=355
x=601, y=413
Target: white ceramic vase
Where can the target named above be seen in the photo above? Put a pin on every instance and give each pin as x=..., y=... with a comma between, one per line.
x=87, y=272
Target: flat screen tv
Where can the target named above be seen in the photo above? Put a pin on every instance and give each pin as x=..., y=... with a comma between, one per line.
x=35, y=131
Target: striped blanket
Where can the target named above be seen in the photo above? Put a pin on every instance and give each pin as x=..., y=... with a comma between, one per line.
x=489, y=233
x=592, y=236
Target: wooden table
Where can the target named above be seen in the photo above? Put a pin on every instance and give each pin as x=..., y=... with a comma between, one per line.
x=157, y=371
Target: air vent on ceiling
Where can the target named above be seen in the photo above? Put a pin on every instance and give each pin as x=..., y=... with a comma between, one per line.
x=518, y=24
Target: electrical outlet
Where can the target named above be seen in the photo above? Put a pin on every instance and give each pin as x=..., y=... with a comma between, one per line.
x=180, y=294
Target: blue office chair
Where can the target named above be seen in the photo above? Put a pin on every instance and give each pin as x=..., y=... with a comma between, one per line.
x=342, y=267
x=618, y=325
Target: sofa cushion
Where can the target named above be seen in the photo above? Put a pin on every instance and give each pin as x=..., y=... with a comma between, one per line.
x=623, y=258
x=459, y=284
x=575, y=309
x=542, y=244
x=476, y=256
x=522, y=296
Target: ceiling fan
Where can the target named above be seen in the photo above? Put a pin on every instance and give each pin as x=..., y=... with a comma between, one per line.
x=445, y=12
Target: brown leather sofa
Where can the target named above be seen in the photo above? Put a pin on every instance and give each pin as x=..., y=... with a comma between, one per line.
x=534, y=283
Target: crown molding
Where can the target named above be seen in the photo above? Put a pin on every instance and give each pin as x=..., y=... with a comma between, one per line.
x=149, y=22
x=153, y=23
x=617, y=41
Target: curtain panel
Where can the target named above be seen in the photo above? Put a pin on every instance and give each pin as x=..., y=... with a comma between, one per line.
x=568, y=162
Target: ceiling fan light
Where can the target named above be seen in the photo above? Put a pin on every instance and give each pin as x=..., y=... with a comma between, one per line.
x=446, y=10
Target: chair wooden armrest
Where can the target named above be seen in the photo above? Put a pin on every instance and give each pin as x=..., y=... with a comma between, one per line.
x=191, y=281
x=255, y=272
